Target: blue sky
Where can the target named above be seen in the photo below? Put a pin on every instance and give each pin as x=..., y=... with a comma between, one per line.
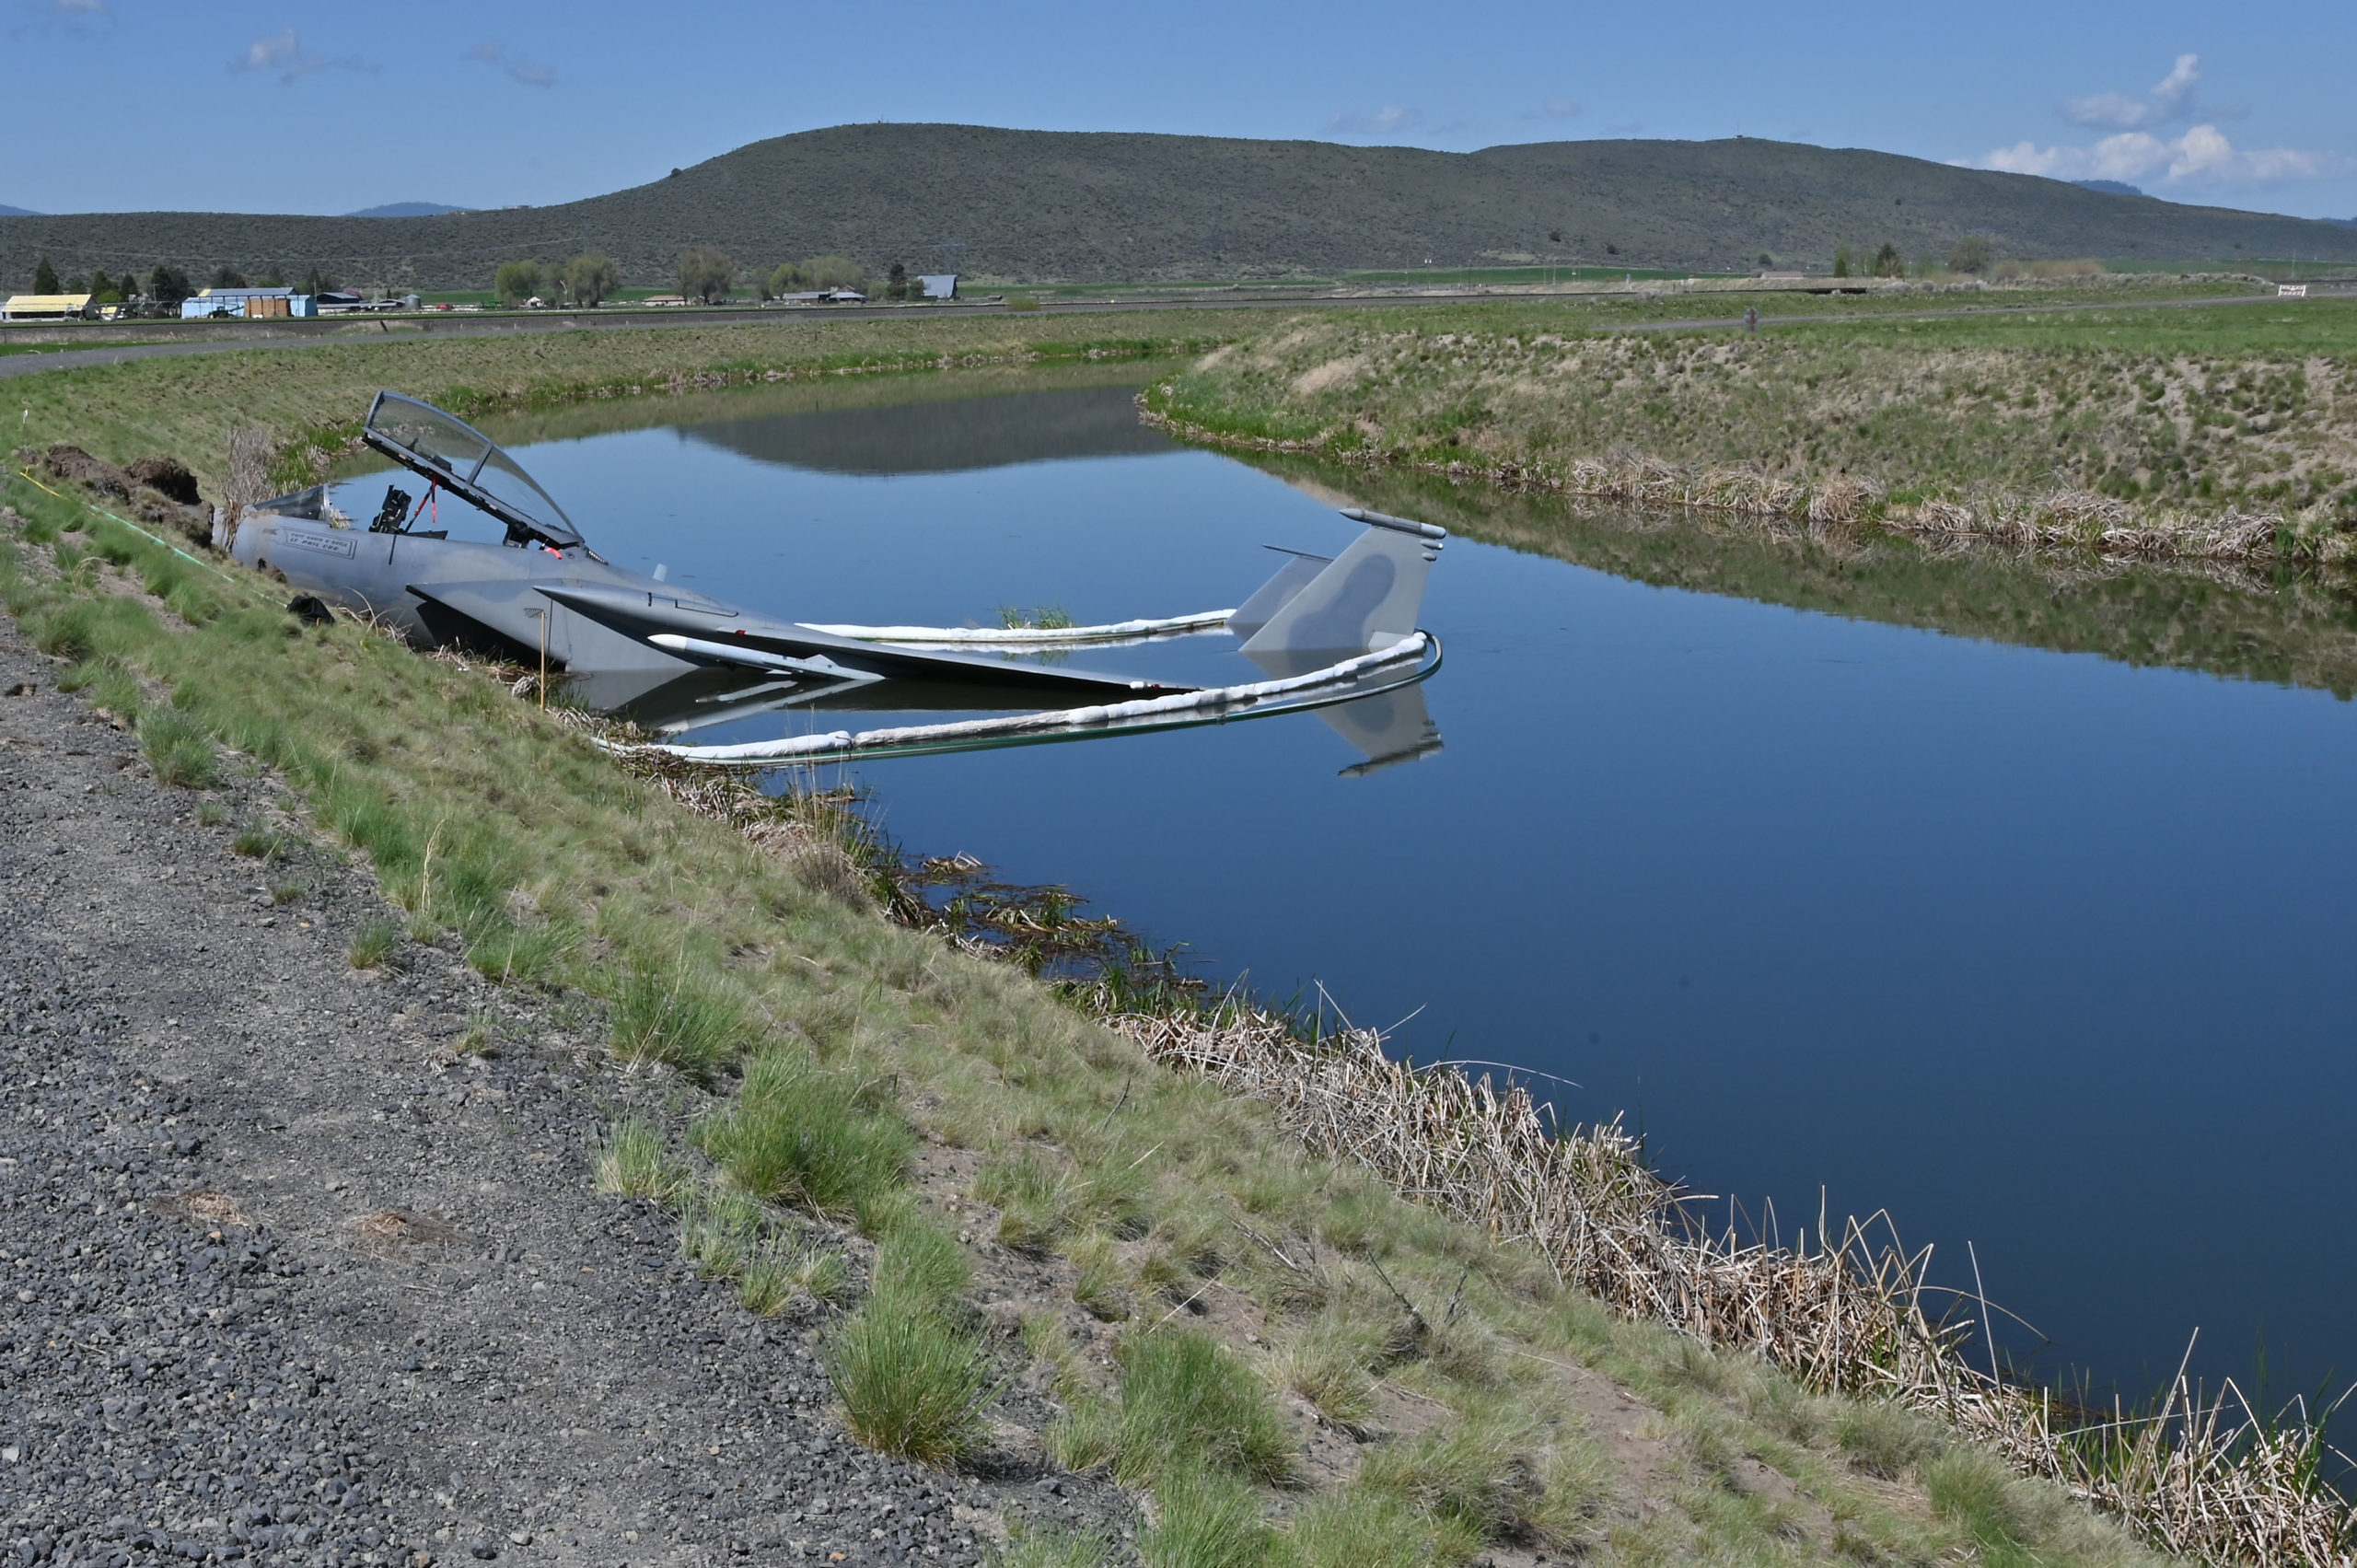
x=279, y=105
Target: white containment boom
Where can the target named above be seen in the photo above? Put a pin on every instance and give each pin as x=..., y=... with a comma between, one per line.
x=1313, y=612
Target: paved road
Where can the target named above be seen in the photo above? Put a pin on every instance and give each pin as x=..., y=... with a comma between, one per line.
x=411, y=329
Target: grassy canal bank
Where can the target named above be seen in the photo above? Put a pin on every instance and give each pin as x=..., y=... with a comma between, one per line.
x=2237, y=620
x=2221, y=432
x=1294, y=1363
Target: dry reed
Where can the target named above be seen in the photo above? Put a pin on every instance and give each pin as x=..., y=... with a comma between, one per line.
x=2205, y=1476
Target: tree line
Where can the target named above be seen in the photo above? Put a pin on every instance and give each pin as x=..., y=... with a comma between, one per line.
x=1970, y=257
x=703, y=274
x=590, y=279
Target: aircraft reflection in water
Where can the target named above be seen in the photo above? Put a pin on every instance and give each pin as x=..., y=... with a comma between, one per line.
x=1337, y=635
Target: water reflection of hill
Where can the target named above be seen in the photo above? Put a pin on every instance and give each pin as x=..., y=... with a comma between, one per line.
x=879, y=423
x=945, y=435
x=2293, y=631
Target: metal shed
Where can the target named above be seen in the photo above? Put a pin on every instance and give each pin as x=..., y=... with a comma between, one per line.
x=46, y=307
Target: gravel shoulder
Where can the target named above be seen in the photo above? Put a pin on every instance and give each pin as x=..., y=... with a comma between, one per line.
x=290, y=1277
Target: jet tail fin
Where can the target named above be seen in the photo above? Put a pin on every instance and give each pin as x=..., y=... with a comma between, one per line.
x=1365, y=598
x=1299, y=570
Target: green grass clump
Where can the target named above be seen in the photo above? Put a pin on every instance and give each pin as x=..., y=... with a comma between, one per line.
x=918, y=1260
x=180, y=752
x=911, y=1372
x=1207, y=1518
x=778, y=1274
x=1328, y=1363
x=678, y=1014
x=1099, y=1285
x=913, y=1380
x=798, y=1133
x=258, y=840
x=1885, y=1440
x=1042, y=1200
x=482, y=1033
x=823, y=1274
x=766, y=1287
x=1973, y=1491
x=105, y=685
x=373, y=945
x=70, y=631
x=511, y=951
x=1186, y=1402
x=1476, y=1473
x=1576, y=1478
x=1359, y=1527
x=631, y=1161
x=1034, y=1197
x=718, y=1231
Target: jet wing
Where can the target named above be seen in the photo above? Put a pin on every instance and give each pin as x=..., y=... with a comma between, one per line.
x=753, y=643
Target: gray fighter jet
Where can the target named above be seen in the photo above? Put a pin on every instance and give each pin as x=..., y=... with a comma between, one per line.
x=620, y=635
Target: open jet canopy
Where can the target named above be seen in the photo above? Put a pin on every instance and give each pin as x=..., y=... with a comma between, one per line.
x=455, y=455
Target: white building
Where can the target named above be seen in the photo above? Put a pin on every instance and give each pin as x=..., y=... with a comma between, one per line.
x=247, y=304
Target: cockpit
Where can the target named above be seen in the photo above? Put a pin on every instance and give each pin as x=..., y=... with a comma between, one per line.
x=452, y=455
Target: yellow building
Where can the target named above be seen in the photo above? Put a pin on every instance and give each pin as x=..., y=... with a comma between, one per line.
x=45, y=307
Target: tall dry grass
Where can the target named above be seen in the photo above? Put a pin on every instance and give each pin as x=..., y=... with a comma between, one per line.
x=2205, y=1475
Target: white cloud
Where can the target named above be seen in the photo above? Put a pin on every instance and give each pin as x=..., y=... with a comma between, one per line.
x=531, y=72
x=81, y=8
x=1559, y=109
x=2171, y=99
x=2201, y=156
x=281, y=48
x=281, y=53
x=1382, y=122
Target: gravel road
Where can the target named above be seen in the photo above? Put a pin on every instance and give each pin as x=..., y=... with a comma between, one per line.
x=290, y=1279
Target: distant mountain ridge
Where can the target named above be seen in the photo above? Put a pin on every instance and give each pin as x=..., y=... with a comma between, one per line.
x=407, y=210
x=2110, y=187
x=8, y=212
x=1039, y=206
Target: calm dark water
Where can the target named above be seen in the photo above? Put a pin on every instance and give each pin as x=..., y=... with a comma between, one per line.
x=2039, y=950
